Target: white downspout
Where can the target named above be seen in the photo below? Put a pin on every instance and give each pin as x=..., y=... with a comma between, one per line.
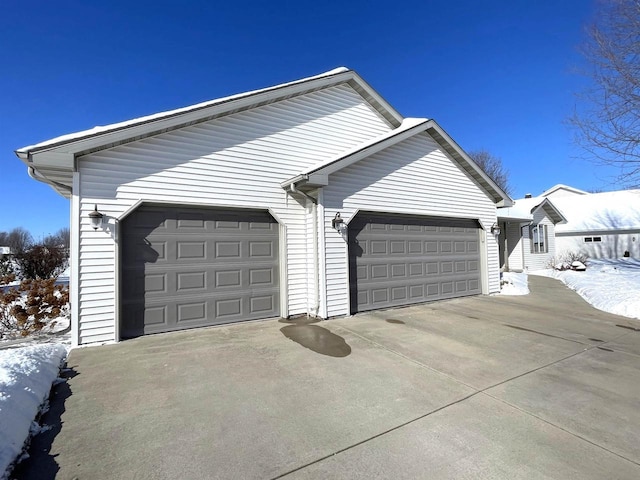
x=316, y=259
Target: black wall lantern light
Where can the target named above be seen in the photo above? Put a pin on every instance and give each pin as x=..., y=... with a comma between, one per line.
x=96, y=217
x=337, y=222
x=495, y=229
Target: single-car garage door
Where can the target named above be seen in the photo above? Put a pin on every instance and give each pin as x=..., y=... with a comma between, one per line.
x=187, y=267
x=399, y=260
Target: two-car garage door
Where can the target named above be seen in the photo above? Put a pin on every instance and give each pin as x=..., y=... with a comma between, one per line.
x=187, y=267
x=399, y=260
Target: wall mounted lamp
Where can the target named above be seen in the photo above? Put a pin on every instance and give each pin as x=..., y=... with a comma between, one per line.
x=337, y=222
x=96, y=217
x=495, y=229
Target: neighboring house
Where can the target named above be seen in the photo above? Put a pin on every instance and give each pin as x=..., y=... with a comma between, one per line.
x=600, y=225
x=528, y=234
x=314, y=197
x=562, y=191
x=5, y=250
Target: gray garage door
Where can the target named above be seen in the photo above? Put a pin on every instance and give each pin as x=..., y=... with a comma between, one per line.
x=399, y=260
x=190, y=267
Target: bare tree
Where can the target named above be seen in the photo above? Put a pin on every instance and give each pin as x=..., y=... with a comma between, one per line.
x=19, y=239
x=64, y=237
x=493, y=167
x=607, y=116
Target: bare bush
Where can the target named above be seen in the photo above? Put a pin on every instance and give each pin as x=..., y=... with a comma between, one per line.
x=565, y=261
x=31, y=306
x=6, y=267
x=42, y=262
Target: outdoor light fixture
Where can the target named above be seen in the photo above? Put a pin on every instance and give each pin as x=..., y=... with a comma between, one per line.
x=495, y=229
x=337, y=222
x=96, y=218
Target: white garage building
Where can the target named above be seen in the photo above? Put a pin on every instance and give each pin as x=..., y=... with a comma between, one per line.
x=313, y=197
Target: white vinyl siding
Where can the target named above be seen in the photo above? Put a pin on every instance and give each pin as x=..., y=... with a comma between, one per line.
x=611, y=245
x=413, y=177
x=539, y=261
x=235, y=161
x=514, y=246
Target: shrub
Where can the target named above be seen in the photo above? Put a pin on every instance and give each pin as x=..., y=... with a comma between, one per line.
x=6, y=266
x=565, y=261
x=31, y=306
x=42, y=262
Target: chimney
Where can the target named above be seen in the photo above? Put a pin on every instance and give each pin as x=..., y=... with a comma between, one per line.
x=527, y=195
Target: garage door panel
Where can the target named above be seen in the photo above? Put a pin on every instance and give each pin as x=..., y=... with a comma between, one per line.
x=185, y=267
x=399, y=260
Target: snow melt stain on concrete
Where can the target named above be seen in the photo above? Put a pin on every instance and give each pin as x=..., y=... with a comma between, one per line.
x=26, y=376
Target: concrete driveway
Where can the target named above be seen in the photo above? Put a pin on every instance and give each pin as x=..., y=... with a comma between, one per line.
x=541, y=386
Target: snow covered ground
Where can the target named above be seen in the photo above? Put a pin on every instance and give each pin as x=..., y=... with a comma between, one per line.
x=514, y=284
x=26, y=376
x=609, y=285
x=27, y=372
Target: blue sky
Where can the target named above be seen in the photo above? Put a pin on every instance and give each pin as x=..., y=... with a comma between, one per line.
x=496, y=75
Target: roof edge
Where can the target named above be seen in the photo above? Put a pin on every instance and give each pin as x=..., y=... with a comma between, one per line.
x=169, y=120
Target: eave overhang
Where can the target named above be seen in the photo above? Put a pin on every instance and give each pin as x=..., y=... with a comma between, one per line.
x=318, y=175
x=54, y=161
x=552, y=212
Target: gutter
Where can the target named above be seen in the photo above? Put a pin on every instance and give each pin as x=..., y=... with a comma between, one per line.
x=33, y=173
x=293, y=189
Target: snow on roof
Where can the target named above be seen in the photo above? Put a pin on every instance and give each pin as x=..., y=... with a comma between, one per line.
x=521, y=209
x=600, y=211
x=566, y=188
x=169, y=113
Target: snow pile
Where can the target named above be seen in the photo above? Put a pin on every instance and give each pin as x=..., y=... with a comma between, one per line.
x=26, y=376
x=609, y=285
x=514, y=284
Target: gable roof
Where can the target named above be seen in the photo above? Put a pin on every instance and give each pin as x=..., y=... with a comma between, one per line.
x=53, y=161
x=317, y=175
x=566, y=188
x=600, y=212
x=524, y=209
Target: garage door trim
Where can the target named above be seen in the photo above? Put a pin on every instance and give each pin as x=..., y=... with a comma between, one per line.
x=118, y=233
x=473, y=228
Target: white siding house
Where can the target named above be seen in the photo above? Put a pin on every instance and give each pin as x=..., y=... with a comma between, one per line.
x=600, y=225
x=274, y=166
x=528, y=234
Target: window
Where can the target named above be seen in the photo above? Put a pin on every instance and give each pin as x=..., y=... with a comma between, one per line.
x=538, y=238
x=592, y=239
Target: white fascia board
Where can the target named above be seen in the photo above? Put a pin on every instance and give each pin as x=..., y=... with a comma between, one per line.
x=516, y=219
x=374, y=98
x=53, y=160
x=409, y=127
x=551, y=210
x=108, y=136
x=119, y=133
x=500, y=197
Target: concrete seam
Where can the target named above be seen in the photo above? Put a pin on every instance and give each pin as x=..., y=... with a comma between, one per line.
x=573, y=434
x=476, y=392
